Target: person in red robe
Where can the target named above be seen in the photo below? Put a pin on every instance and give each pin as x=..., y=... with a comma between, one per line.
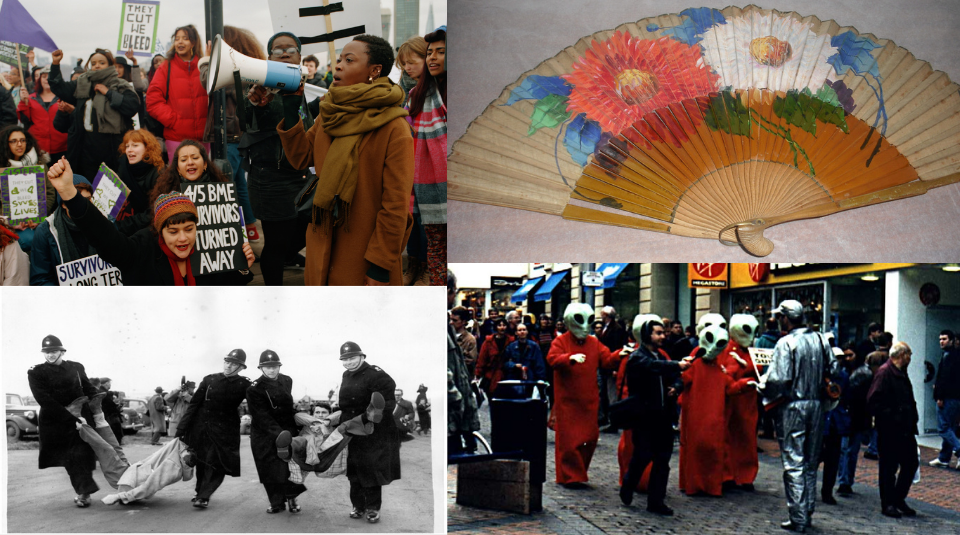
x=742, y=413
x=702, y=430
x=575, y=357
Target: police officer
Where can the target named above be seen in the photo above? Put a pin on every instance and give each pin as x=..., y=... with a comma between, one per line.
x=374, y=460
x=271, y=406
x=795, y=385
x=211, y=426
x=61, y=388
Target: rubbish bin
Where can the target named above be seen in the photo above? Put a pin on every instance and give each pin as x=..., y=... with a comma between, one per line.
x=518, y=421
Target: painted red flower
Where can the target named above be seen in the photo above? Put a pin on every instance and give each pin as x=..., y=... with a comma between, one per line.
x=620, y=80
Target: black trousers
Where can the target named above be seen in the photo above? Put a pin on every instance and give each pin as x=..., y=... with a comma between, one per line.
x=280, y=239
x=82, y=480
x=896, y=450
x=651, y=444
x=209, y=479
x=278, y=493
x=364, y=498
x=830, y=457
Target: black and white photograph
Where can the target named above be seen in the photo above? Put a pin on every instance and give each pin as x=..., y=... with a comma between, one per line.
x=201, y=410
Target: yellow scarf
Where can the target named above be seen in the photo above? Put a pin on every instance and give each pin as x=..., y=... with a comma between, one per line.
x=346, y=114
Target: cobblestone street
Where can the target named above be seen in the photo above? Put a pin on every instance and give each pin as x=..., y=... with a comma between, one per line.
x=597, y=508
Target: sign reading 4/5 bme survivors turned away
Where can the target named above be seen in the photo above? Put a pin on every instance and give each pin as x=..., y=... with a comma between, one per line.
x=220, y=229
x=138, y=27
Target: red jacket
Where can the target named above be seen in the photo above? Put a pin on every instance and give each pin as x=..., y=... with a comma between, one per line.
x=183, y=113
x=41, y=124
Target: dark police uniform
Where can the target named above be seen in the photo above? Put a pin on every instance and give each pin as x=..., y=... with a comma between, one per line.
x=272, y=409
x=56, y=386
x=211, y=426
x=374, y=460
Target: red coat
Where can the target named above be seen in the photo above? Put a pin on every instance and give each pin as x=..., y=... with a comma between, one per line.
x=741, y=417
x=702, y=432
x=576, y=401
x=490, y=361
x=49, y=139
x=625, y=447
x=183, y=113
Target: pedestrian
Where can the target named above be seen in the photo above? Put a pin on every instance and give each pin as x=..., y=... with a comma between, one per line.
x=104, y=106
x=157, y=410
x=61, y=388
x=37, y=111
x=374, y=460
x=614, y=337
x=575, y=357
x=138, y=165
x=946, y=392
x=359, y=221
x=459, y=318
x=271, y=406
x=513, y=319
x=875, y=359
x=178, y=400
x=404, y=414
x=489, y=368
x=836, y=427
x=768, y=340
x=176, y=97
x=313, y=77
x=428, y=114
x=423, y=410
x=522, y=359
x=159, y=255
x=462, y=412
x=652, y=377
x=411, y=59
x=794, y=387
x=890, y=401
x=14, y=263
x=742, y=412
x=111, y=409
x=871, y=342
x=860, y=422
x=211, y=426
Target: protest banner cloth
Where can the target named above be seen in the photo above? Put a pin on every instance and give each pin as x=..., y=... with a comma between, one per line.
x=89, y=271
x=8, y=54
x=109, y=192
x=220, y=230
x=24, y=194
x=138, y=27
x=341, y=21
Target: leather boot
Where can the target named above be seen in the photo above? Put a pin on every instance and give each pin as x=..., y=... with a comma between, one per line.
x=375, y=409
x=76, y=406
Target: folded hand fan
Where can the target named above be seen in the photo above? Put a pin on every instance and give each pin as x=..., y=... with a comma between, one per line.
x=714, y=124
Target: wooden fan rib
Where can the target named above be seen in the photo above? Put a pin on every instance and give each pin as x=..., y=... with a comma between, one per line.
x=895, y=177
x=934, y=174
x=639, y=176
x=528, y=176
x=482, y=157
x=632, y=157
x=579, y=213
x=604, y=196
x=490, y=137
x=947, y=161
x=638, y=184
x=473, y=184
x=894, y=80
x=911, y=110
x=943, y=116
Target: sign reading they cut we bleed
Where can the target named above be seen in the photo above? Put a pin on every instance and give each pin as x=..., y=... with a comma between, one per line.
x=138, y=27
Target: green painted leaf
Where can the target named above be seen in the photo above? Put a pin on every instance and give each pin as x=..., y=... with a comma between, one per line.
x=802, y=109
x=728, y=114
x=548, y=112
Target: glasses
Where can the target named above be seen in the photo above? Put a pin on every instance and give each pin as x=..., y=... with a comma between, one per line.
x=17, y=141
x=281, y=51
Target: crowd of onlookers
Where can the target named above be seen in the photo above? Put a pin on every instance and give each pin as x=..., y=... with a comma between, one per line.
x=154, y=127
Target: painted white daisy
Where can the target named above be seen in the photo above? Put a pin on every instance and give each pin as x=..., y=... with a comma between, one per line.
x=765, y=50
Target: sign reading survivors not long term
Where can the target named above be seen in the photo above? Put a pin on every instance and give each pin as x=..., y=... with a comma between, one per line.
x=220, y=229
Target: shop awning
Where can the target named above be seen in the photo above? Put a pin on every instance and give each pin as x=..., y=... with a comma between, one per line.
x=610, y=273
x=546, y=289
x=521, y=294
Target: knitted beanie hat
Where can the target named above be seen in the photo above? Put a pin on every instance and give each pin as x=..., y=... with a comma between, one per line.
x=278, y=34
x=171, y=204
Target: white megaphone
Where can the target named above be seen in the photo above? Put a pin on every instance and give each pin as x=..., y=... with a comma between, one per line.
x=276, y=75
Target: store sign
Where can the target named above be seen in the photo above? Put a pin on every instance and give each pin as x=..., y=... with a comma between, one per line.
x=537, y=270
x=714, y=276
x=783, y=269
x=758, y=272
x=506, y=283
x=592, y=278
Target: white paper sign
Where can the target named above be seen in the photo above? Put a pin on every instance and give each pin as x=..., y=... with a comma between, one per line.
x=106, y=196
x=346, y=17
x=138, y=27
x=89, y=271
x=23, y=196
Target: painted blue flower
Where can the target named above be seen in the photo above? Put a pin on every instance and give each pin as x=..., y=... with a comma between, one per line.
x=854, y=52
x=697, y=21
x=581, y=138
x=537, y=87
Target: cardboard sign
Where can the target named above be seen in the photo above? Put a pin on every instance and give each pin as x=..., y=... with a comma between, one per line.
x=24, y=194
x=9, y=56
x=138, y=27
x=89, y=271
x=109, y=192
x=307, y=20
x=220, y=232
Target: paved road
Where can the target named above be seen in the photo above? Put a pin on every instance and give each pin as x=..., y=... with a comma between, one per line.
x=597, y=509
x=42, y=501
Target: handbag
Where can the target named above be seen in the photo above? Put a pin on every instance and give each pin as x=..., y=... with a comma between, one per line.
x=623, y=413
x=304, y=199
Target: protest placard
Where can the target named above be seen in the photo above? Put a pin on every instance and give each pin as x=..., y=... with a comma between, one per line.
x=318, y=23
x=138, y=27
x=220, y=229
x=109, y=192
x=24, y=194
x=89, y=271
x=9, y=56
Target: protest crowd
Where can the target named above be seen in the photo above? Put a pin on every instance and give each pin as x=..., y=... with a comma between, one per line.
x=655, y=383
x=369, y=153
x=351, y=435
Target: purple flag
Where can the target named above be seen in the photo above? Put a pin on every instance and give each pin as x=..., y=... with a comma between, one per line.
x=17, y=26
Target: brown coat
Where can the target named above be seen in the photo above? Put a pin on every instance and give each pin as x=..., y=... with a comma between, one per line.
x=379, y=221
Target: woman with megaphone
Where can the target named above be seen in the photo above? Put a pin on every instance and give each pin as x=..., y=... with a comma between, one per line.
x=362, y=149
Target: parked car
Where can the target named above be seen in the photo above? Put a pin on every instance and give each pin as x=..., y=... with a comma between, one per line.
x=21, y=418
x=132, y=419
